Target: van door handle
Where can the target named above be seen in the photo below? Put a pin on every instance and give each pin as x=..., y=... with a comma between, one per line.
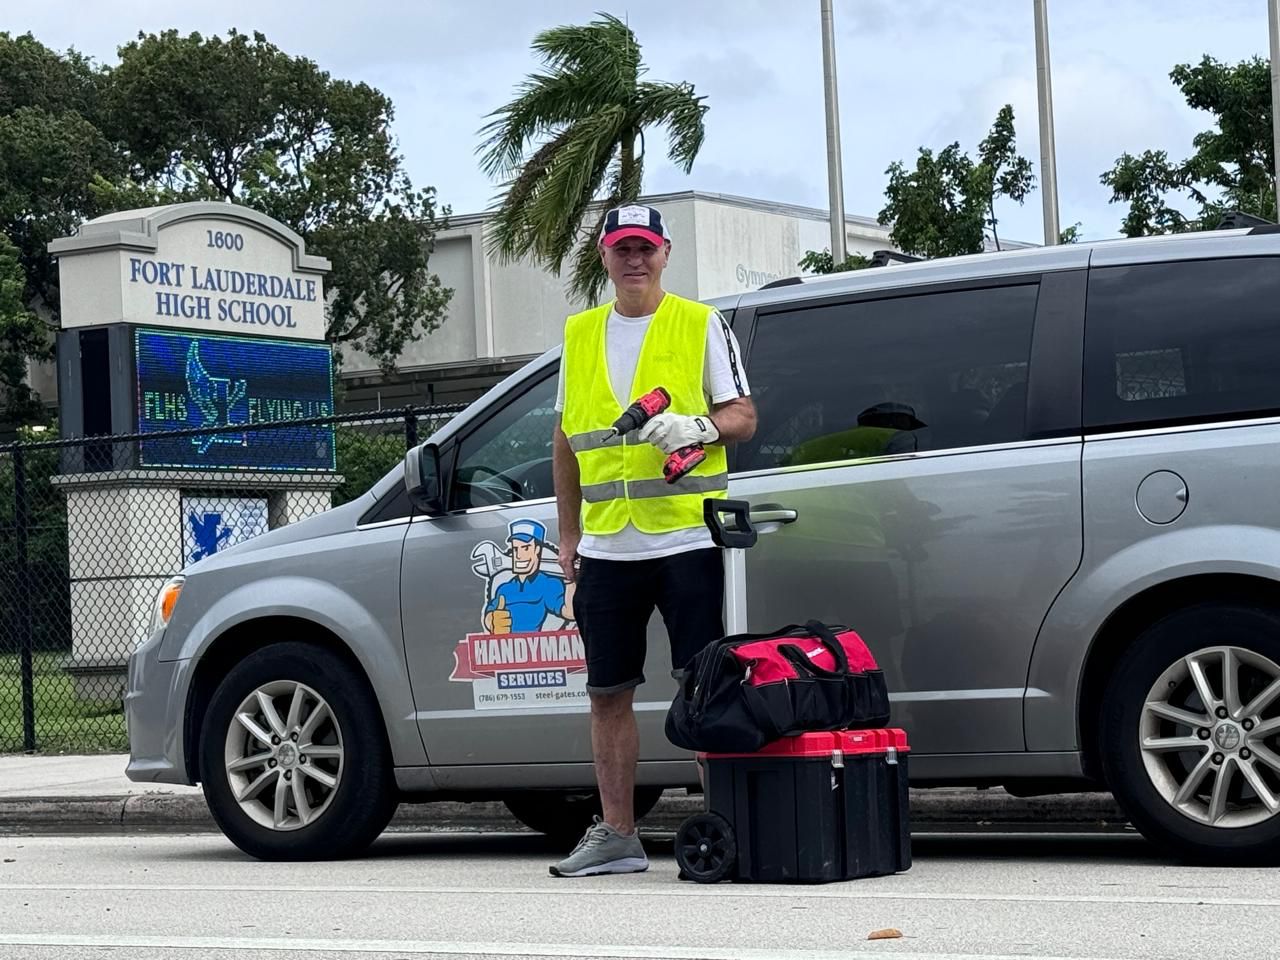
x=773, y=513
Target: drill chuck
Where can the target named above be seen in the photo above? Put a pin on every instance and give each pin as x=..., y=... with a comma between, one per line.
x=638, y=414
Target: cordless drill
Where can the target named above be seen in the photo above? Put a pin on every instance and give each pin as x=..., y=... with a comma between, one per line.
x=639, y=413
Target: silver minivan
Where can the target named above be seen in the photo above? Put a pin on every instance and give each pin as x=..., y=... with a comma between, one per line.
x=1038, y=483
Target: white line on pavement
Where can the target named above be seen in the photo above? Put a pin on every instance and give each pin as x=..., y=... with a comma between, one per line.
x=577, y=888
x=450, y=948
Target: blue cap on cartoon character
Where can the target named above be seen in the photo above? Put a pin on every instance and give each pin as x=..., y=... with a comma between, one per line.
x=522, y=604
x=526, y=531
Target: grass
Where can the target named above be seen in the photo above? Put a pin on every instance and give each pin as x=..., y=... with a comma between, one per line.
x=64, y=723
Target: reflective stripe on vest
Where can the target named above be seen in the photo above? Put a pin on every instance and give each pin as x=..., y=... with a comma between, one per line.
x=647, y=489
x=621, y=477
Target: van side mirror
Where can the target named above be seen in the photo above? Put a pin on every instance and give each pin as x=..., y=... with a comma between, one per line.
x=422, y=478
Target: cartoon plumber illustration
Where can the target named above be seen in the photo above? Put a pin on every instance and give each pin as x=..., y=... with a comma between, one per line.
x=523, y=600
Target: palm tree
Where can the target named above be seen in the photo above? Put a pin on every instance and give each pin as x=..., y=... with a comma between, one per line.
x=587, y=110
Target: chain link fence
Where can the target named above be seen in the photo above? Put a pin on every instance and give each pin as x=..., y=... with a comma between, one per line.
x=90, y=529
x=1150, y=375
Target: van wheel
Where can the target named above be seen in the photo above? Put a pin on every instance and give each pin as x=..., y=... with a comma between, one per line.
x=293, y=757
x=566, y=816
x=1191, y=734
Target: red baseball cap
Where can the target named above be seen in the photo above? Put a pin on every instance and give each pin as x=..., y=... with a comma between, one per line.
x=634, y=220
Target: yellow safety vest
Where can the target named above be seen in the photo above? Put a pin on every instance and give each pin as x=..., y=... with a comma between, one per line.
x=621, y=477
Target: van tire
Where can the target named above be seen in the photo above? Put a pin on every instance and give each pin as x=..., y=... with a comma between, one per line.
x=1157, y=657
x=566, y=815
x=355, y=810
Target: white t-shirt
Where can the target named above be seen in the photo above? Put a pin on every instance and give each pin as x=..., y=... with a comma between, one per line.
x=623, y=338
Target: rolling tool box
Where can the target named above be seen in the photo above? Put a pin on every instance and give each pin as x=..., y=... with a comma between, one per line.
x=812, y=808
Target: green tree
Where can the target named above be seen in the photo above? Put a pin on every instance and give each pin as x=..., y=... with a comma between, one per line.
x=233, y=119
x=22, y=337
x=52, y=151
x=239, y=119
x=585, y=114
x=943, y=207
x=1000, y=171
x=364, y=454
x=823, y=262
x=1233, y=163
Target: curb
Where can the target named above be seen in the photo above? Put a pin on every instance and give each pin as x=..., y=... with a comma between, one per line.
x=161, y=810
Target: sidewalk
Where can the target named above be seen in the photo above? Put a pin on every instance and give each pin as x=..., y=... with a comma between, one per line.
x=85, y=792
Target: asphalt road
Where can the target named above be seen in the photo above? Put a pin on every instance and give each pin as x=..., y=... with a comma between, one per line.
x=489, y=895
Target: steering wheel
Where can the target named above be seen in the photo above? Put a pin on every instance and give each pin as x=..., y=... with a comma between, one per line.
x=506, y=483
x=535, y=478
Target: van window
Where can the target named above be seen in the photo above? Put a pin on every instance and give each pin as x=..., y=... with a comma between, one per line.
x=882, y=377
x=1170, y=342
x=508, y=457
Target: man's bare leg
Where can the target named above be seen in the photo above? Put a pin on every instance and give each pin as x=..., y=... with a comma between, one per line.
x=615, y=745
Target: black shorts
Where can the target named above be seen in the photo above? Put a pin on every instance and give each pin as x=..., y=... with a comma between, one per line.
x=615, y=599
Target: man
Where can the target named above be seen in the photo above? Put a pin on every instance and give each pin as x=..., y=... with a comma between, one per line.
x=639, y=542
x=521, y=604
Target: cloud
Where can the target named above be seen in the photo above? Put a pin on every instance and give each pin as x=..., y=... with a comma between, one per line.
x=728, y=77
x=923, y=73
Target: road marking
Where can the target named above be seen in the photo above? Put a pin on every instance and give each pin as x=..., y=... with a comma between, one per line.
x=576, y=888
x=505, y=949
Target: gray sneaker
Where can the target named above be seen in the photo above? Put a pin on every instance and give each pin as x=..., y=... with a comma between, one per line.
x=603, y=849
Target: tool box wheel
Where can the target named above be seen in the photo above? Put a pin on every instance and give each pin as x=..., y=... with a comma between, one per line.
x=705, y=848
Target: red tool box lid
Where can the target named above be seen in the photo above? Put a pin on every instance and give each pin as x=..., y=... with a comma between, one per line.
x=824, y=744
x=874, y=741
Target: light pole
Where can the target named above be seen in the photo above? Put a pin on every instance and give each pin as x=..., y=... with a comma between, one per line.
x=1273, y=23
x=1048, y=158
x=835, y=179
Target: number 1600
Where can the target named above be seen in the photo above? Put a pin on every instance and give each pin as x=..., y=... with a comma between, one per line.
x=224, y=240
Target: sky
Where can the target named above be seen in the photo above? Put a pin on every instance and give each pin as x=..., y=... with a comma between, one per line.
x=911, y=73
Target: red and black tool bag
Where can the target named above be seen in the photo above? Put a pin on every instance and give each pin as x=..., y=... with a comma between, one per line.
x=746, y=690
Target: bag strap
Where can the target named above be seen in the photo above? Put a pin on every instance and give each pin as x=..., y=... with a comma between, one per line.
x=812, y=628
x=823, y=633
x=791, y=629
x=804, y=665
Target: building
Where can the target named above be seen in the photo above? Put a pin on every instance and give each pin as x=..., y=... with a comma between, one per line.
x=501, y=316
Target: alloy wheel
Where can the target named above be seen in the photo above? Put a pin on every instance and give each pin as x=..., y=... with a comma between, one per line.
x=1210, y=736
x=284, y=755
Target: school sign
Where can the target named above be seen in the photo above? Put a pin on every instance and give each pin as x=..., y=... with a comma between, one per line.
x=199, y=266
x=180, y=318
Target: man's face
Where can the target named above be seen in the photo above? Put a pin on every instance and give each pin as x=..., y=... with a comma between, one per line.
x=635, y=264
x=524, y=557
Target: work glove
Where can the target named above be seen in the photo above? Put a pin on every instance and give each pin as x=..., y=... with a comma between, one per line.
x=500, y=618
x=670, y=432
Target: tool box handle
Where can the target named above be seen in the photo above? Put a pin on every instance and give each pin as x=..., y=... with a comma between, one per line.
x=738, y=537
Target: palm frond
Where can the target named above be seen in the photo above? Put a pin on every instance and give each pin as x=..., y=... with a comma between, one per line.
x=588, y=67
x=605, y=49
x=513, y=233
x=676, y=107
x=575, y=175
x=589, y=278
x=545, y=104
x=589, y=107
x=563, y=242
